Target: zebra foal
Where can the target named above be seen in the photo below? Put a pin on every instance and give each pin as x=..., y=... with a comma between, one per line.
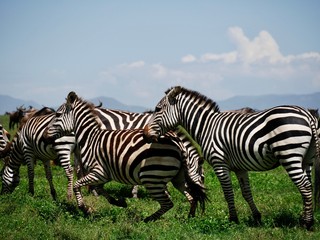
x=124, y=156
x=284, y=135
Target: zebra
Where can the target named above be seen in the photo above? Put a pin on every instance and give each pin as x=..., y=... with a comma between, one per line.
x=124, y=156
x=283, y=135
x=4, y=142
x=29, y=145
x=117, y=120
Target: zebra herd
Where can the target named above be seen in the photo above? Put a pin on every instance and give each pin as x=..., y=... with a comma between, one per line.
x=147, y=149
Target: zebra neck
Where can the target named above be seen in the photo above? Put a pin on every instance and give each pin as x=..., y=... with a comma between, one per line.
x=86, y=128
x=197, y=121
x=16, y=153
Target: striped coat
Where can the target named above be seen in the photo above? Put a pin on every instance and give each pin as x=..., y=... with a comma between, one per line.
x=124, y=156
x=284, y=135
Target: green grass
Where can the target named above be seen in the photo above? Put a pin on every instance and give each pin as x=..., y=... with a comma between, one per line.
x=39, y=217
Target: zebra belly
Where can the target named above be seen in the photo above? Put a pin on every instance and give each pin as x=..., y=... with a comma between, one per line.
x=159, y=169
x=259, y=158
x=150, y=170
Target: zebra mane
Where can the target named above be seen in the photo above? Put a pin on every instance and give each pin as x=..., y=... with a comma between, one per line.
x=201, y=99
x=43, y=111
x=91, y=108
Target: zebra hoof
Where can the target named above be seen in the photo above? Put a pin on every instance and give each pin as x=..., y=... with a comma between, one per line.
x=54, y=195
x=31, y=192
x=149, y=219
x=307, y=224
x=86, y=210
x=234, y=219
x=122, y=202
x=257, y=219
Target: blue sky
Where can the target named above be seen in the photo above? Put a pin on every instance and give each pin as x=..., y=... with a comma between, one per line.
x=135, y=50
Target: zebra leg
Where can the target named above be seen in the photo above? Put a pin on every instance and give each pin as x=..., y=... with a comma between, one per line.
x=69, y=173
x=90, y=179
x=47, y=169
x=301, y=180
x=244, y=182
x=85, y=209
x=223, y=174
x=121, y=202
x=158, y=192
x=30, y=166
x=65, y=164
x=179, y=183
x=80, y=171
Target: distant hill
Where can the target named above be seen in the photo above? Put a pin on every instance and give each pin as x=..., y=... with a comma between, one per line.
x=112, y=103
x=9, y=104
x=267, y=101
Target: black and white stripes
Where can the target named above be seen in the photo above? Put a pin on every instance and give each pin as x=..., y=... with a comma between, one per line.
x=29, y=145
x=125, y=156
x=284, y=135
x=4, y=141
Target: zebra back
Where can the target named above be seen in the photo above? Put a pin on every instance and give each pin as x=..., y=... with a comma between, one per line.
x=116, y=119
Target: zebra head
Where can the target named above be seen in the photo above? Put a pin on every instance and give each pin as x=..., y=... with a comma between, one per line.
x=10, y=172
x=165, y=117
x=4, y=142
x=63, y=123
x=10, y=177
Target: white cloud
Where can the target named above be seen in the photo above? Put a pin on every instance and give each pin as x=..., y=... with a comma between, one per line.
x=137, y=64
x=230, y=57
x=263, y=49
x=188, y=58
x=254, y=66
x=159, y=71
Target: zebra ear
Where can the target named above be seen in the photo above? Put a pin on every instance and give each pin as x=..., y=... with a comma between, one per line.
x=72, y=96
x=173, y=93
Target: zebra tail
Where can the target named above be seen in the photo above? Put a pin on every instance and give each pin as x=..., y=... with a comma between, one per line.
x=197, y=192
x=316, y=192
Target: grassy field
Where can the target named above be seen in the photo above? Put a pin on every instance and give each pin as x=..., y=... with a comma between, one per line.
x=39, y=217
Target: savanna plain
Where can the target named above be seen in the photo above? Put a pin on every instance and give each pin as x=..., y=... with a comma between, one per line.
x=39, y=217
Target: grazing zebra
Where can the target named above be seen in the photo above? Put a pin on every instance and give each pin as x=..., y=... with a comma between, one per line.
x=124, y=156
x=4, y=141
x=29, y=145
x=118, y=120
x=284, y=135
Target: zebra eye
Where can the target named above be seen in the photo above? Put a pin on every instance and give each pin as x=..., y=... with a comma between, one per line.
x=58, y=114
